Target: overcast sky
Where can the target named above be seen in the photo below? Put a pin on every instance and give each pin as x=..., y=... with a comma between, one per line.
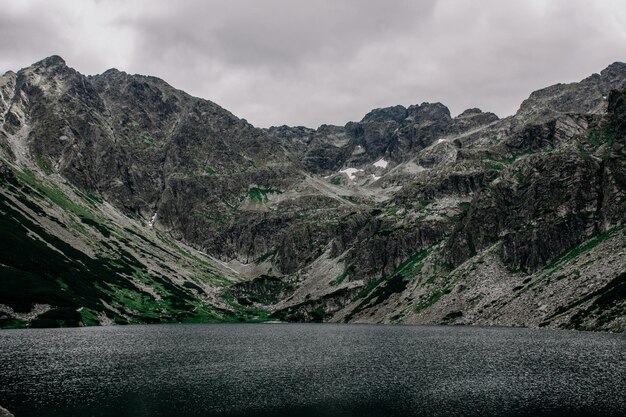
x=326, y=61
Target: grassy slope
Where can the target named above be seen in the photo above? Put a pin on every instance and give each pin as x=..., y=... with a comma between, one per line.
x=63, y=250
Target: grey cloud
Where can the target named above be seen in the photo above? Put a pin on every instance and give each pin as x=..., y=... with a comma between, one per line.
x=329, y=61
x=276, y=33
x=20, y=45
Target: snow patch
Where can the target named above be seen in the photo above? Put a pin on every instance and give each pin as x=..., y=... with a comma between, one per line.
x=350, y=172
x=381, y=163
x=152, y=220
x=358, y=150
x=375, y=177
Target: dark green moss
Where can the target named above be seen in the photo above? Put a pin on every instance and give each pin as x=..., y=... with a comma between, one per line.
x=271, y=255
x=260, y=195
x=43, y=163
x=431, y=299
x=382, y=288
x=424, y=202
x=494, y=167
x=52, y=193
x=465, y=206
x=264, y=289
x=336, y=180
x=608, y=300
x=58, y=317
x=386, y=231
x=601, y=135
x=341, y=278
x=90, y=222
x=579, y=250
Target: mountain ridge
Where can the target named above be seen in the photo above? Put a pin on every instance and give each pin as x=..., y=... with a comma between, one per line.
x=394, y=218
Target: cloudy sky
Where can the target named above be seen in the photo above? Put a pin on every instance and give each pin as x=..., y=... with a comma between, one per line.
x=326, y=61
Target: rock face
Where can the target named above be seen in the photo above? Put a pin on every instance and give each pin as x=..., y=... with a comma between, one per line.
x=395, y=134
x=409, y=215
x=5, y=413
x=586, y=97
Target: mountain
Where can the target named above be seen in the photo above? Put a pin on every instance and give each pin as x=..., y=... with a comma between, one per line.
x=124, y=200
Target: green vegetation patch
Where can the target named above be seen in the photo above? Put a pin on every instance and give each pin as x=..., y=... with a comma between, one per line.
x=509, y=160
x=212, y=217
x=7, y=323
x=44, y=164
x=386, y=231
x=271, y=255
x=53, y=194
x=208, y=170
x=104, y=231
x=89, y=317
x=57, y=317
x=342, y=277
x=494, y=167
x=607, y=305
x=558, y=262
x=424, y=202
x=260, y=195
x=89, y=198
x=264, y=290
x=599, y=136
x=431, y=299
x=382, y=288
x=47, y=270
x=244, y=312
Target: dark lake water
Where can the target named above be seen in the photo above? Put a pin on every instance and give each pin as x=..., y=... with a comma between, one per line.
x=311, y=370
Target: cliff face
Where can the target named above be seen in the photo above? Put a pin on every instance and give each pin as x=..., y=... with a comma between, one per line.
x=409, y=215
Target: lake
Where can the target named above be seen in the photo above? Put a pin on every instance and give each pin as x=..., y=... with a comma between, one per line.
x=311, y=370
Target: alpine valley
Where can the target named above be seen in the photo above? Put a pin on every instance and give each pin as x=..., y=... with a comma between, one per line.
x=124, y=200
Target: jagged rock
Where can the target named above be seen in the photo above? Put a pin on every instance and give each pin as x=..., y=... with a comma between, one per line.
x=396, y=133
x=539, y=207
x=586, y=97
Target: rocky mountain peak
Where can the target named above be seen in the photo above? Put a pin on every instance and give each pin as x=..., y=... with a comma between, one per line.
x=394, y=113
x=471, y=119
x=51, y=61
x=428, y=111
x=8, y=77
x=588, y=96
x=50, y=75
x=470, y=113
x=112, y=71
x=51, y=67
x=614, y=72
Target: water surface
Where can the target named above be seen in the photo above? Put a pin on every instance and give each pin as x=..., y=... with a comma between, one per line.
x=311, y=370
